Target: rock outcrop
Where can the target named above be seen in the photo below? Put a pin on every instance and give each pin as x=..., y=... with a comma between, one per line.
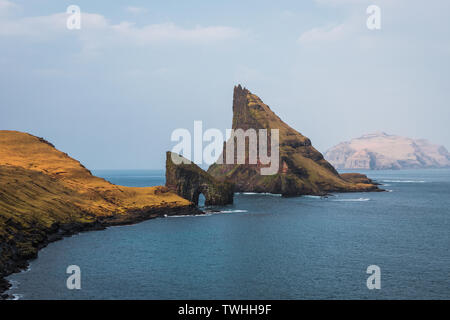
x=384, y=151
x=189, y=181
x=302, y=169
x=45, y=195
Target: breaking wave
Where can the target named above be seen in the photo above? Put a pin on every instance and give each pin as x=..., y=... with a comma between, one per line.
x=14, y=284
x=261, y=194
x=404, y=181
x=231, y=211
x=206, y=214
x=352, y=200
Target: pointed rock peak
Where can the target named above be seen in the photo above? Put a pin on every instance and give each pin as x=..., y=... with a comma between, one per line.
x=249, y=111
x=239, y=98
x=302, y=170
x=240, y=91
x=243, y=94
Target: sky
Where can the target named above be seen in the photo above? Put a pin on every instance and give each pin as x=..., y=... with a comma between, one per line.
x=111, y=93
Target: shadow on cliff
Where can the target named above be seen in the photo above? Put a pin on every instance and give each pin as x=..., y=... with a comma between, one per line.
x=189, y=181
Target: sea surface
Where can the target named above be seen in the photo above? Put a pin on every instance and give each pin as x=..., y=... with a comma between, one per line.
x=264, y=247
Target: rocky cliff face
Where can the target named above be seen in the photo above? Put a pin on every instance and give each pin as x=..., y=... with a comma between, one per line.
x=189, y=180
x=383, y=151
x=45, y=195
x=302, y=169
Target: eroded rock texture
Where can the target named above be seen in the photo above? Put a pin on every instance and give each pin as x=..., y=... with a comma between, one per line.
x=188, y=180
x=302, y=169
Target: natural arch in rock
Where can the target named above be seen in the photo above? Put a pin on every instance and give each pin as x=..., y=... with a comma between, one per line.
x=188, y=180
x=201, y=200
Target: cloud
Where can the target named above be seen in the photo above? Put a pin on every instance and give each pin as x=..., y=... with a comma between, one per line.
x=341, y=2
x=324, y=34
x=97, y=31
x=136, y=10
x=47, y=27
x=350, y=27
x=404, y=23
x=7, y=7
x=169, y=32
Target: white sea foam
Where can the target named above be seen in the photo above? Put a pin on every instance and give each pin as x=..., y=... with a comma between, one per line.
x=404, y=181
x=14, y=284
x=312, y=197
x=260, y=194
x=17, y=296
x=351, y=200
x=137, y=177
x=188, y=215
x=27, y=269
x=232, y=211
x=206, y=214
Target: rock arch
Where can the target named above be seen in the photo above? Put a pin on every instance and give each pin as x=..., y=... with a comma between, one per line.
x=188, y=180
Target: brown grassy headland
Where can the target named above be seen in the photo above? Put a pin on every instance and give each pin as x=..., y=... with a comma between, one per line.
x=45, y=195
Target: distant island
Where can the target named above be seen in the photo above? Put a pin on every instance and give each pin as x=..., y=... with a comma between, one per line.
x=380, y=150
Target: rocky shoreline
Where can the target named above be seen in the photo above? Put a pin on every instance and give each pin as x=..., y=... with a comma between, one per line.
x=57, y=232
x=46, y=195
x=299, y=170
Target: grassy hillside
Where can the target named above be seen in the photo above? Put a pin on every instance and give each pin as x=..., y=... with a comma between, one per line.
x=303, y=169
x=45, y=194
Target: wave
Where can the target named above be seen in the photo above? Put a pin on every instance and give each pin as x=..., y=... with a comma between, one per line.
x=27, y=269
x=352, y=200
x=188, y=215
x=320, y=197
x=206, y=214
x=17, y=296
x=231, y=211
x=261, y=194
x=404, y=181
x=14, y=284
x=137, y=177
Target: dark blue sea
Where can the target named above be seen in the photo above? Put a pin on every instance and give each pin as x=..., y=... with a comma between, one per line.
x=264, y=247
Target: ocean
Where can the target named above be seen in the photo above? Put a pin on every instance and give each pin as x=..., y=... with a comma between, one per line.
x=264, y=247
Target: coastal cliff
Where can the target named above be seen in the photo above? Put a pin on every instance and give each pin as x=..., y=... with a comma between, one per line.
x=188, y=180
x=302, y=169
x=45, y=195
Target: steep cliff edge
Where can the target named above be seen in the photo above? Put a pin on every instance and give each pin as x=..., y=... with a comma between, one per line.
x=380, y=150
x=188, y=180
x=45, y=194
x=302, y=169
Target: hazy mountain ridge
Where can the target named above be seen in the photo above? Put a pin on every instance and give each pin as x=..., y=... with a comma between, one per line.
x=380, y=150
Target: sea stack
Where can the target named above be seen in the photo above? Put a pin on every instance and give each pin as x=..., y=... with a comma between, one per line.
x=189, y=181
x=302, y=169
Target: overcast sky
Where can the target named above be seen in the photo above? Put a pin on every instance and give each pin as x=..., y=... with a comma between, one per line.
x=111, y=94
